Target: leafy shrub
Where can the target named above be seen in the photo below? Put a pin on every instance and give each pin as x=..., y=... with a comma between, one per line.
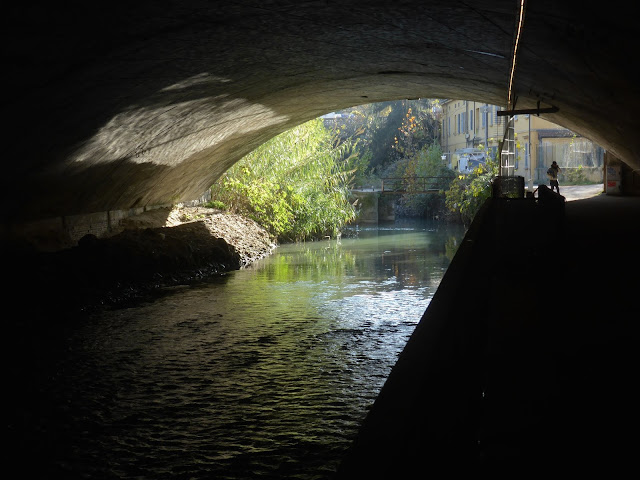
x=575, y=176
x=296, y=185
x=468, y=192
x=216, y=204
x=426, y=162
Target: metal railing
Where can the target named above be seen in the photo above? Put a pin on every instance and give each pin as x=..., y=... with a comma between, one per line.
x=415, y=185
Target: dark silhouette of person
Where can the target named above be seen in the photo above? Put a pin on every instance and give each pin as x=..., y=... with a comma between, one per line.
x=552, y=173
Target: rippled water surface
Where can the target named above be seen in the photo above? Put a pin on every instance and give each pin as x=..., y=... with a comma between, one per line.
x=265, y=372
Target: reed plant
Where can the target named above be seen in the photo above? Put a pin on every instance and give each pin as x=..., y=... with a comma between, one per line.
x=296, y=185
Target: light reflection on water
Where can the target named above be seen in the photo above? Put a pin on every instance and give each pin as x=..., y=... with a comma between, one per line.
x=265, y=372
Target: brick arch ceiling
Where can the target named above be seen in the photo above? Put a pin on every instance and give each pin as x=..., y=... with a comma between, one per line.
x=110, y=107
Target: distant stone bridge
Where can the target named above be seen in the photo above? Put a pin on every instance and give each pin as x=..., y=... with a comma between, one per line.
x=373, y=206
x=376, y=204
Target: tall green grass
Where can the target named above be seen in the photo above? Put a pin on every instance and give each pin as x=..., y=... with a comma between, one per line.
x=296, y=185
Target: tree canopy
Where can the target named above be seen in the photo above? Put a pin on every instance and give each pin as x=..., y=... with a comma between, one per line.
x=297, y=185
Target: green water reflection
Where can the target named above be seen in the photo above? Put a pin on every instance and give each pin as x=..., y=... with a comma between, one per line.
x=386, y=274
x=266, y=372
x=410, y=254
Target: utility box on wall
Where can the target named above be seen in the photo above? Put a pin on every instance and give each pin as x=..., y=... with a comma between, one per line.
x=613, y=179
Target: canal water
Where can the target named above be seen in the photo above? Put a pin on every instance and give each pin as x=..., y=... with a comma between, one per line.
x=265, y=372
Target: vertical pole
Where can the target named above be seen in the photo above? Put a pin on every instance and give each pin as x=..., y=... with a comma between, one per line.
x=530, y=158
x=486, y=127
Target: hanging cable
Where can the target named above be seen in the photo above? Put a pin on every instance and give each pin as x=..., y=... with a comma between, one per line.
x=515, y=54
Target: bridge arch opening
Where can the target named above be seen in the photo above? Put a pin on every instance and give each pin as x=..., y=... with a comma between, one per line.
x=123, y=107
x=149, y=105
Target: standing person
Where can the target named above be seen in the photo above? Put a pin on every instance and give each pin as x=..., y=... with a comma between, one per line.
x=552, y=173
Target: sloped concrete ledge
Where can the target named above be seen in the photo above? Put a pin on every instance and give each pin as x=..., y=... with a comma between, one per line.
x=425, y=413
x=59, y=233
x=524, y=362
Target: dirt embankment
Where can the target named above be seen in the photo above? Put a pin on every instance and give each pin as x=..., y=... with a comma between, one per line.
x=157, y=249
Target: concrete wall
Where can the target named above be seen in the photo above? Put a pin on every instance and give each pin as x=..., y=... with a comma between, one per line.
x=58, y=233
x=386, y=208
x=136, y=105
x=514, y=369
x=367, y=207
x=422, y=418
x=374, y=207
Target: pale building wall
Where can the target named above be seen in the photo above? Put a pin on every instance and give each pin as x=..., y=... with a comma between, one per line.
x=469, y=124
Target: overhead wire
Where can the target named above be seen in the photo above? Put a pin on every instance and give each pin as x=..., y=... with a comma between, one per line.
x=515, y=54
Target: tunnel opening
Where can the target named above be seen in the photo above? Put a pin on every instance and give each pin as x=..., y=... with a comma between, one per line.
x=171, y=112
x=316, y=60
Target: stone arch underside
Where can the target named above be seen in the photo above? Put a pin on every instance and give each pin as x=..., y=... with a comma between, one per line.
x=113, y=108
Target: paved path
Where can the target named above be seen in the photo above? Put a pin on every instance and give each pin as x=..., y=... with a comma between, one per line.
x=579, y=192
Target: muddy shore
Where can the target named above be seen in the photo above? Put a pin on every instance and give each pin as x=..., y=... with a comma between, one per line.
x=155, y=250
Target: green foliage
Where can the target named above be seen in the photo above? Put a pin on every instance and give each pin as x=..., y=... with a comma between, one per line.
x=397, y=139
x=576, y=176
x=296, y=185
x=365, y=176
x=216, y=204
x=468, y=192
x=387, y=132
x=426, y=162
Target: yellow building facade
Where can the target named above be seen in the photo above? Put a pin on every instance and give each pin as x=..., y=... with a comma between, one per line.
x=470, y=129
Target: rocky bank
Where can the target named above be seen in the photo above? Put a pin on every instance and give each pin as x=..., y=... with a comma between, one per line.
x=157, y=249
